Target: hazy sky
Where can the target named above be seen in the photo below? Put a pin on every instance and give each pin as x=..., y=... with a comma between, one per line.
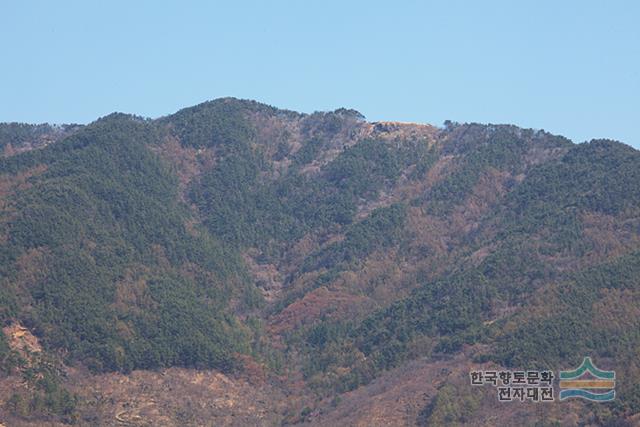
x=570, y=67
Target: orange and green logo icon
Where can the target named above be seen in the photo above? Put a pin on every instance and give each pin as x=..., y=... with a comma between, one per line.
x=588, y=382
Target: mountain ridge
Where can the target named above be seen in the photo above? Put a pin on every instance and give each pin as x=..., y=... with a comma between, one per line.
x=311, y=252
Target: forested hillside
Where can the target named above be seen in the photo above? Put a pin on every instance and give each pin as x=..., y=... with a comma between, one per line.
x=318, y=255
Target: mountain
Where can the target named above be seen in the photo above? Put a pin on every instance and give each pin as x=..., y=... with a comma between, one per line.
x=19, y=137
x=238, y=264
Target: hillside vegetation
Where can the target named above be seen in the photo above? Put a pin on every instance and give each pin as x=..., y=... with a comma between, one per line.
x=319, y=249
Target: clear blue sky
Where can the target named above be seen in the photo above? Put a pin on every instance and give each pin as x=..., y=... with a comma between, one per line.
x=570, y=67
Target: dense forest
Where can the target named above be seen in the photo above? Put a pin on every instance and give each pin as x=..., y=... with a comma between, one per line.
x=137, y=244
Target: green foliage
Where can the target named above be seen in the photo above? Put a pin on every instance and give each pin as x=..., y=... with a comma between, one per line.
x=479, y=148
x=51, y=404
x=308, y=152
x=45, y=397
x=17, y=134
x=329, y=123
x=5, y=353
x=450, y=311
x=516, y=268
x=244, y=209
x=501, y=149
x=8, y=304
x=381, y=229
x=214, y=123
x=4, y=346
x=445, y=308
x=183, y=331
x=599, y=176
x=452, y=406
x=123, y=283
x=570, y=331
x=363, y=169
x=104, y=207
